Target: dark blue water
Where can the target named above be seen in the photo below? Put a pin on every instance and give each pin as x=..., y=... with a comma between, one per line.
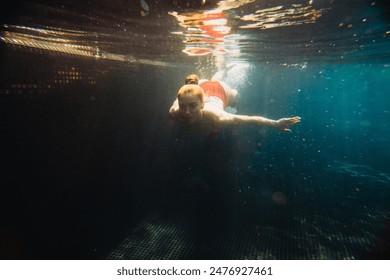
x=92, y=159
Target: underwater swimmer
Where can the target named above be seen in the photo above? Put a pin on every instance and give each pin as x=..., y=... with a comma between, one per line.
x=200, y=100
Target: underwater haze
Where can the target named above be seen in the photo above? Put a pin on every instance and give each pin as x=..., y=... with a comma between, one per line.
x=94, y=168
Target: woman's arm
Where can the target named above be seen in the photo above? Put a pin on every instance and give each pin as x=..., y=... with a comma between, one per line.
x=174, y=110
x=224, y=118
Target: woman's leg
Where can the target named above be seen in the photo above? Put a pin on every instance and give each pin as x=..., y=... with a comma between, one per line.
x=231, y=94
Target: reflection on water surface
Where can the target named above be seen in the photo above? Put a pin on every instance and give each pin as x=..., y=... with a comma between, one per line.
x=160, y=33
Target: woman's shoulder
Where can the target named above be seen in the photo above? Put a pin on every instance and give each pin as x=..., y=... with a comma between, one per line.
x=212, y=112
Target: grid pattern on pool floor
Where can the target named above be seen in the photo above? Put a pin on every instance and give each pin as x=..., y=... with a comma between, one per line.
x=279, y=232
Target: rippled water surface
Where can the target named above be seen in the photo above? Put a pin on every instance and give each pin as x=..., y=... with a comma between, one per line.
x=166, y=32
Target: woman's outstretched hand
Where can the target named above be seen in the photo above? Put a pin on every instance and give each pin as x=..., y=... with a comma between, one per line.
x=284, y=124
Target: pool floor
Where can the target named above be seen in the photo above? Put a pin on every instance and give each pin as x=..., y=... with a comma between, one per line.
x=265, y=225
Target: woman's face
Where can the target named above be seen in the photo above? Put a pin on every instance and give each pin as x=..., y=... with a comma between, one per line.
x=190, y=107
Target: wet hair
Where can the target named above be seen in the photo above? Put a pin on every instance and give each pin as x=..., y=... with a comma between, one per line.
x=191, y=79
x=191, y=89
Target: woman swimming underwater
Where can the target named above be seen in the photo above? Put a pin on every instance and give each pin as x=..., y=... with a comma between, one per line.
x=206, y=100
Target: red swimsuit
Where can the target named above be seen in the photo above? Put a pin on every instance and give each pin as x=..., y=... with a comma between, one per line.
x=214, y=88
